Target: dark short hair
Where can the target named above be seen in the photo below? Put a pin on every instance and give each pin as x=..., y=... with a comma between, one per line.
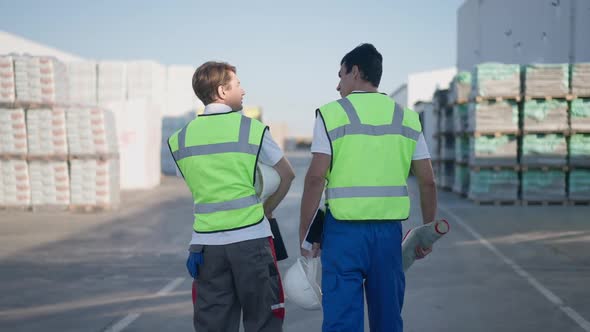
x=368, y=60
x=208, y=77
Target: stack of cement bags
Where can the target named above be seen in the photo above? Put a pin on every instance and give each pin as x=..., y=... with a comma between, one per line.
x=460, y=88
x=91, y=131
x=40, y=80
x=580, y=114
x=492, y=116
x=579, y=184
x=46, y=132
x=496, y=80
x=14, y=183
x=146, y=80
x=179, y=92
x=546, y=80
x=95, y=182
x=7, y=91
x=486, y=185
x=50, y=183
x=112, y=82
x=13, y=132
x=460, y=117
x=493, y=151
x=542, y=115
x=448, y=124
x=580, y=149
x=581, y=79
x=447, y=147
x=543, y=185
x=82, y=77
x=461, y=181
x=461, y=149
x=544, y=150
x=171, y=124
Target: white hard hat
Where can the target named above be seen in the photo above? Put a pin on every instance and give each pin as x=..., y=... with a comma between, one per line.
x=267, y=181
x=300, y=284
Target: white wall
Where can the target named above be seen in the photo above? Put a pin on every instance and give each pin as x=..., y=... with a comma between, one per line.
x=421, y=86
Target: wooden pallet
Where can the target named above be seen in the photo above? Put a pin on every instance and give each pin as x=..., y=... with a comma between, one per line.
x=496, y=133
x=49, y=208
x=497, y=202
x=478, y=168
x=32, y=105
x=577, y=202
x=546, y=98
x=479, y=99
x=15, y=208
x=461, y=101
x=578, y=131
x=63, y=157
x=564, y=132
x=89, y=208
x=544, y=202
x=544, y=168
x=13, y=156
x=101, y=156
x=572, y=96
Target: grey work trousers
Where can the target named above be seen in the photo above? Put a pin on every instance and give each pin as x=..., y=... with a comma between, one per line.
x=239, y=278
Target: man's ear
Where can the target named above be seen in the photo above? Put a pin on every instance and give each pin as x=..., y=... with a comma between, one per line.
x=221, y=92
x=356, y=74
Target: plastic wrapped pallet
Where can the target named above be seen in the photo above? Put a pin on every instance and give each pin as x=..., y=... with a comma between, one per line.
x=493, y=151
x=146, y=80
x=548, y=115
x=461, y=149
x=580, y=114
x=580, y=149
x=7, y=84
x=46, y=132
x=460, y=87
x=95, y=182
x=50, y=183
x=112, y=82
x=539, y=185
x=40, y=80
x=448, y=124
x=492, y=185
x=13, y=132
x=139, y=131
x=541, y=149
x=492, y=116
x=581, y=79
x=579, y=184
x=91, y=131
x=546, y=80
x=15, y=187
x=171, y=124
x=461, y=179
x=496, y=80
x=448, y=147
x=82, y=76
x=179, y=91
x=460, y=117
x=447, y=171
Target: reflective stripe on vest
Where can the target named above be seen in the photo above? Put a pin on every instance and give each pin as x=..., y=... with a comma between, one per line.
x=228, y=205
x=351, y=192
x=357, y=128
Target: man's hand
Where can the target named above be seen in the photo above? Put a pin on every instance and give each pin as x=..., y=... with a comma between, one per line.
x=422, y=252
x=313, y=253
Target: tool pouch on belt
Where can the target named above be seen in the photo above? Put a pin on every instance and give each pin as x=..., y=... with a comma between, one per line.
x=280, y=249
x=195, y=258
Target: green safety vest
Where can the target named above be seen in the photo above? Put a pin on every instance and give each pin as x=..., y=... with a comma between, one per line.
x=373, y=140
x=217, y=155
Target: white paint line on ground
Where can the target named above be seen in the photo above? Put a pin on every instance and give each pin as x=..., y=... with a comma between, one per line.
x=549, y=295
x=130, y=318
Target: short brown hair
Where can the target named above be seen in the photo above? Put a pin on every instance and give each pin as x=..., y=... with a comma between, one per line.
x=208, y=77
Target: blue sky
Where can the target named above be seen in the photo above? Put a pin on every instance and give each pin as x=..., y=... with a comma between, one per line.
x=287, y=53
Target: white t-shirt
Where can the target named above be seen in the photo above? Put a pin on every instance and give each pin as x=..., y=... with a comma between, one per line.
x=321, y=143
x=270, y=154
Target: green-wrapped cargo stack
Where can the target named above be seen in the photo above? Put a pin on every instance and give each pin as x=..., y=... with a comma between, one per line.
x=543, y=185
x=461, y=181
x=546, y=80
x=493, y=151
x=580, y=114
x=581, y=79
x=460, y=88
x=544, y=150
x=580, y=150
x=461, y=149
x=460, y=116
x=579, y=185
x=447, y=151
x=493, y=185
x=545, y=115
x=493, y=116
x=496, y=80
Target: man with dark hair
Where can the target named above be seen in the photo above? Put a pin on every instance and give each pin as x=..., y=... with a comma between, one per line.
x=364, y=145
x=231, y=255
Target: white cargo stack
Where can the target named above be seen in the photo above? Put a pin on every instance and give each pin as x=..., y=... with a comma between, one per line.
x=180, y=95
x=112, y=82
x=147, y=80
x=91, y=131
x=14, y=183
x=94, y=182
x=139, y=137
x=83, y=82
x=7, y=84
x=46, y=132
x=50, y=184
x=13, y=132
x=40, y=80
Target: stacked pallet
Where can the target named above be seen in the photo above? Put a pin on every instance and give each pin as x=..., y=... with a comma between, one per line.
x=50, y=184
x=40, y=80
x=147, y=80
x=545, y=116
x=91, y=132
x=7, y=84
x=579, y=146
x=446, y=139
x=580, y=73
x=546, y=80
x=496, y=80
x=460, y=88
x=112, y=82
x=94, y=183
x=82, y=76
x=46, y=133
x=13, y=133
x=490, y=185
x=15, y=191
x=580, y=115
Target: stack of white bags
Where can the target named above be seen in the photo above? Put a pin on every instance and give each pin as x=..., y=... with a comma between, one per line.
x=13, y=132
x=94, y=182
x=82, y=77
x=146, y=80
x=7, y=92
x=50, y=183
x=112, y=82
x=91, y=131
x=46, y=132
x=40, y=80
x=14, y=183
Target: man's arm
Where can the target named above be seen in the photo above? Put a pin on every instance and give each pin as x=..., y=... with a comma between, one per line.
x=286, y=173
x=315, y=180
x=422, y=169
